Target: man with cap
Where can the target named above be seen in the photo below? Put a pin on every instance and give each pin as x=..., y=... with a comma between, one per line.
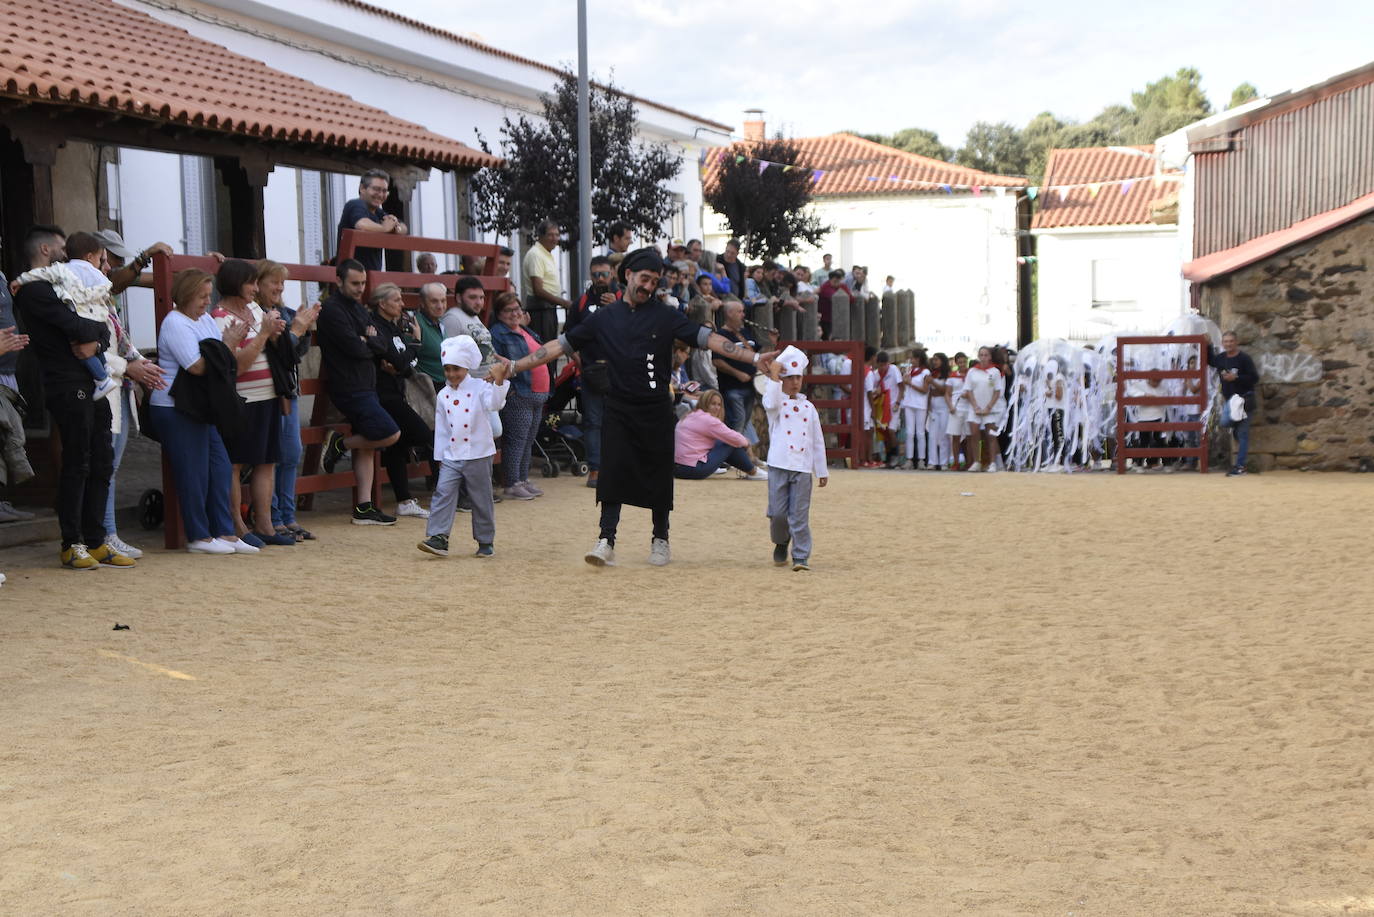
x=796, y=453
x=635, y=335
x=464, y=445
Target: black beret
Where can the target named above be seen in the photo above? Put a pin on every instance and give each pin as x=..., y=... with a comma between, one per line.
x=641, y=259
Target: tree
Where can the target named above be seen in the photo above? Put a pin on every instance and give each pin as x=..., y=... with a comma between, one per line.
x=1167, y=104
x=538, y=179
x=916, y=140
x=1243, y=93
x=996, y=148
x=766, y=208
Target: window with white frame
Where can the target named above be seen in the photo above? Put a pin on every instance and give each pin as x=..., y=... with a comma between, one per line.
x=1113, y=284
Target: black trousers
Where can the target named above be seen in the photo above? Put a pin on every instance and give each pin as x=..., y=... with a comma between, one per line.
x=415, y=434
x=543, y=321
x=83, y=484
x=610, y=521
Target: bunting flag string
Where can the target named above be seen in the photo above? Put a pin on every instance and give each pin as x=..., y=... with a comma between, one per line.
x=1032, y=191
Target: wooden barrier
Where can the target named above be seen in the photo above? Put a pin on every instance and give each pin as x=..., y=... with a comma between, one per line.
x=1200, y=400
x=853, y=452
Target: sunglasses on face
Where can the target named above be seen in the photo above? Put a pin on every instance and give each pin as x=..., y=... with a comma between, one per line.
x=601, y=273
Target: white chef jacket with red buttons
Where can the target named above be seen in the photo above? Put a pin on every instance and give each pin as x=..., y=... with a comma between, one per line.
x=795, y=441
x=461, y=428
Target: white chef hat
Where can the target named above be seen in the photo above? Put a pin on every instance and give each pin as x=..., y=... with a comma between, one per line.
x=460, y=351
x=793, y=361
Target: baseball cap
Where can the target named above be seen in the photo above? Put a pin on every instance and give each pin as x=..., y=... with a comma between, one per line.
x=114, y=243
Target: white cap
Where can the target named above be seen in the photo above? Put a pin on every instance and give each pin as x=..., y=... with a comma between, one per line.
x=460, y=351
x=793, y=361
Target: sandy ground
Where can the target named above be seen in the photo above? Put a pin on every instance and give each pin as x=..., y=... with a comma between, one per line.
x=1070, y=696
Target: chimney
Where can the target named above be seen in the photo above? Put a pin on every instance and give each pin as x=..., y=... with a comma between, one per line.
x=753, y=125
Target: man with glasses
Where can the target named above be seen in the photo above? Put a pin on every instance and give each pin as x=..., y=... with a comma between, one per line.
x=590, y=366
x=364, y=213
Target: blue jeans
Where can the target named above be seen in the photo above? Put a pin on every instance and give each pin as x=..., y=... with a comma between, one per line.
x=720, y=454
x=739, y=404
x=1240, y=430
x=593, y=409
x=121, y=439
x=201, y=471
x=288, y=466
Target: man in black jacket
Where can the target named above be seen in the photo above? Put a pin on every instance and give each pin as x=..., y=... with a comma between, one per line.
x=61, y=339
x=1238, y=377
x=349, y=346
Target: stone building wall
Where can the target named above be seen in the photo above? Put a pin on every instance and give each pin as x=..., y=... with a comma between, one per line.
x=1306, y=317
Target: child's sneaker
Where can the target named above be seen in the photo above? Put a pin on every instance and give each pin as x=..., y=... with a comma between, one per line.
x=780, y=555
x=104, y=386
x=78, y=558
x=436, y=545
x=485, y=550
x=799, y=564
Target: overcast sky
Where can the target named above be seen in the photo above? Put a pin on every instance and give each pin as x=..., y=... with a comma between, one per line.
x=817, y=66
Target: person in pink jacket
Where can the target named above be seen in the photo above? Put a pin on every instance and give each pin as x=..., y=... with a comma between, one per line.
x=703, y=443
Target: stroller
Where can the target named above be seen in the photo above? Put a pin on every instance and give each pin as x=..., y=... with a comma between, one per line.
x=559, y=445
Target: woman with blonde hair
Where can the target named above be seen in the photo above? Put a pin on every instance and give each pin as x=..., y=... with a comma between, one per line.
x=703, y=443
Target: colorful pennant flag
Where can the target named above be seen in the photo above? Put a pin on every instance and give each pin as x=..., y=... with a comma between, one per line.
x=1126, y=186
x=1093, y=189
x=1032, y=192
x=763, y=167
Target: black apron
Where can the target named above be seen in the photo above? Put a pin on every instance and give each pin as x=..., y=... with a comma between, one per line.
x=637, y=443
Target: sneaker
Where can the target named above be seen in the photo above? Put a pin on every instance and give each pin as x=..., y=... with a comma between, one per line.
x=107, y=556
x=1170, y=469
x=993, y=469
x=77, y=558
x=333, y=451
x=721, y=470
x=1138, y=469
x=239, y=546
x=518, y=492
x=412, y=508
x=485, y=550
x=755, y=475
x=592, y=478
x=104, y=387
x=436, y=545
x=780, y=555
x=1236, y=471
x=369, y=514
x=800, y=564
x=209, y=546
x=123, y=547
x=9, y=514
x=976, y=466
x=531, y=488
x=659, y=555
x=603, y=555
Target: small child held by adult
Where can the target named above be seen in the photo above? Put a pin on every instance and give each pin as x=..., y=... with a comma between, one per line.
x=796, y=454
x=464, y=445
x=81, y=284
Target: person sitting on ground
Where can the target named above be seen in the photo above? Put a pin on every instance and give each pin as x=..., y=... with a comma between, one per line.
x=704, y=444
x=271, y=284
x=796, y=455
x=395, y=363
x=523, y=412
x=200, y=465
x=257, y=443
x=348, y=348
x=464, y=445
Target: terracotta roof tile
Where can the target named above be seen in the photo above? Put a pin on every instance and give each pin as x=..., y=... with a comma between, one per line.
x=1110, y=206
x=126, y=60
x=853, y=165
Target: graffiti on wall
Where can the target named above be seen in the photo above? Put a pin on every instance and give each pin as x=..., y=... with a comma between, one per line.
x=1289, y=367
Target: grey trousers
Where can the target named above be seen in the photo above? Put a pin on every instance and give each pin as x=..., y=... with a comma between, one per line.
x=476, y=474
x=789, y=510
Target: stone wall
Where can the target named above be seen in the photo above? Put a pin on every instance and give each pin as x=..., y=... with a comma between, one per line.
x=1306, y=317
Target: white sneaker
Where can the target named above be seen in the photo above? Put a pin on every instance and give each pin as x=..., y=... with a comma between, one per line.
x=721, y=470
x=976, y=466
x=659, y=555
x=238, y=547
x=123, y=547
x=9, y=514
x=412, y=508
x=993, y=469
x=2, y=579
x=756, y=476
x=209, y=546
x=603, y=555
x=1052, y=469
x=104, y=387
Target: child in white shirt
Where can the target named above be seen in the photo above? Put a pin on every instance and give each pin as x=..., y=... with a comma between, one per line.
x=463, y=444
x=796, y=453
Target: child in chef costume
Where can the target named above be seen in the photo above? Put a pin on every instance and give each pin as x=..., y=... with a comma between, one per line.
x=796, y=454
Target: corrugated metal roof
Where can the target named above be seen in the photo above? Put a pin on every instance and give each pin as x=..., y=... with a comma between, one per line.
x=126, y=61
x=853, y=165
x=1117, y=204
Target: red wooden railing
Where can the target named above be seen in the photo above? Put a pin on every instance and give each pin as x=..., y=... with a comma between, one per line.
x=854, y=450
x=1199, y=400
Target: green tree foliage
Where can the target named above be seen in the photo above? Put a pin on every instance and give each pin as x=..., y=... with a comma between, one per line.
x=766, y=210
x=998, y=148
x=1243, y=93
x=1168, y=104
x=916, y=140
x=539, y=177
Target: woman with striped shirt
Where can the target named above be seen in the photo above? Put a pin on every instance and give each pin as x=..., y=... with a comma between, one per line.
x=258, y=441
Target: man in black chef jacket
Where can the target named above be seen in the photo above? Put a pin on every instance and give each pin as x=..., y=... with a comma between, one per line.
x=635, y=335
